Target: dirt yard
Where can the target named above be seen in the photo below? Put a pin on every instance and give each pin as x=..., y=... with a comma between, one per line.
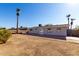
x=25, y=45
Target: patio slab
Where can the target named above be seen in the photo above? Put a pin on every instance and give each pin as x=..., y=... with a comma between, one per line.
x=73, y=39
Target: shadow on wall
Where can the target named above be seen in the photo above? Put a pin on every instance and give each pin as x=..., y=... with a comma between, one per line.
x=48, y=36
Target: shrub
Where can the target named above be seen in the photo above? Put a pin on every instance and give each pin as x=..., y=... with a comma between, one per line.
x=4, y=35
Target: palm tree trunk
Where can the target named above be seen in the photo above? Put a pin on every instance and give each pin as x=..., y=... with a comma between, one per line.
x=68, y=23
x=17, y=25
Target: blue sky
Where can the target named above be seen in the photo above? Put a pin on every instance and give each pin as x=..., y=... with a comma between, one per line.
x=32, y=14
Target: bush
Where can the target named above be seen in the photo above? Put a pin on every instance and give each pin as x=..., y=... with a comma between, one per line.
x=4, y=35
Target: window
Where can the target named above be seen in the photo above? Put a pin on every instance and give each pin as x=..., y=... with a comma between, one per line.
x=49, y=28
x=30, y=29
x=59, y=28
x=35, y=28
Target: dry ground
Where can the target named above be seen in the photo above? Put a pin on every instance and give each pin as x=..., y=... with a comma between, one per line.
x=24, y=45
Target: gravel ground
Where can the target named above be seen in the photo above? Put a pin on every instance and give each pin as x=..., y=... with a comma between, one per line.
x=27, y=45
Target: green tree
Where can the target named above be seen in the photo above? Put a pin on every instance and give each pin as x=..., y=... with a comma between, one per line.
x=4, y=35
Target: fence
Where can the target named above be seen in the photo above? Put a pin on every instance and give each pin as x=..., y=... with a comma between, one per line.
x=73, y=33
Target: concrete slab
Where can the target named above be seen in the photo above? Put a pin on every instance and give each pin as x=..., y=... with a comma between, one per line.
x=72, y=39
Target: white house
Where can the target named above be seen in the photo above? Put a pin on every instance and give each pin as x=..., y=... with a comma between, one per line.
x=59, y=30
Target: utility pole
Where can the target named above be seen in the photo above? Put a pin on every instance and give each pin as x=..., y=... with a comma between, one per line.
x=17, y=14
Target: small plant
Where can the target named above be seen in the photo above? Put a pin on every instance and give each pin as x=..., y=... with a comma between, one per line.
x=4, y=35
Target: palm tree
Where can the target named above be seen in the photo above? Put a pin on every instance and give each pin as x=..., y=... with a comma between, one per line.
x=17, y=13
x=71, y=25
x=68, y=16
x=72, y=22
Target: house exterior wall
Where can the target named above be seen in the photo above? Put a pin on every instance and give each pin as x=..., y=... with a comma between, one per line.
x=60, y=30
